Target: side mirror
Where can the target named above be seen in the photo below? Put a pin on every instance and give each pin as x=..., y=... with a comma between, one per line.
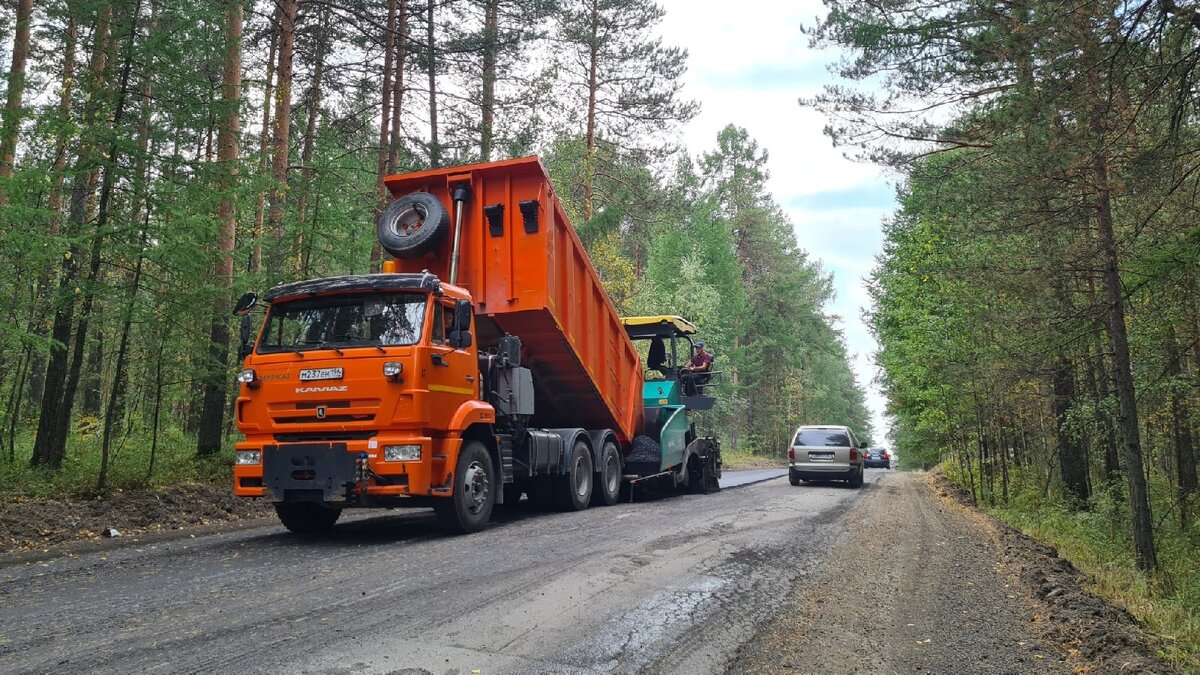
x=245, y=303
x=462, y=315
x=460, y=337
x=244, y=334
x=863, y=445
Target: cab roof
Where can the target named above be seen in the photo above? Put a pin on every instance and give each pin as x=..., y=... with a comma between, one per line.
x=423, y=281
x=662, y=324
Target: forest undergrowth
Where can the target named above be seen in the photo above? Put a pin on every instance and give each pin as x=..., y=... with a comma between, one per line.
x=1096, y=540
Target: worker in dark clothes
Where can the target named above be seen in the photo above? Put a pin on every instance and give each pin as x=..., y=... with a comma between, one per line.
x=699, y=369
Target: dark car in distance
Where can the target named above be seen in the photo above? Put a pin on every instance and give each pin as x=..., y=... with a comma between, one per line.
x=877, y=458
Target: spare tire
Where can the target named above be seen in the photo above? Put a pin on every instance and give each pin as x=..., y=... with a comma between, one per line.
x=412, y=225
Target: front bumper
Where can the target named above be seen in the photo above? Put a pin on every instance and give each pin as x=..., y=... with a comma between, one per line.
x=340, y=471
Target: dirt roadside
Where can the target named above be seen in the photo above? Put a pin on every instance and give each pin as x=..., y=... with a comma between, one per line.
x=54, y=524
x=924, y=583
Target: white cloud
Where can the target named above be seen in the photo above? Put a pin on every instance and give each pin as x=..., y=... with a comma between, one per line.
x=749, y=63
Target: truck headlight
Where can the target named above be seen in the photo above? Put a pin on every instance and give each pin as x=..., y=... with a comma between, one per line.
x=401, y=453
x=247, y=376
x=392, y=368
x=249, y=457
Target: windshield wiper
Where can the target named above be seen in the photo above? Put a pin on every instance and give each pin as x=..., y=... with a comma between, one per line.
x=355, y=340
x=322, y=344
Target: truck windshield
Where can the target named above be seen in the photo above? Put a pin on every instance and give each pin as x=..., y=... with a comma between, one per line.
x=352, y=320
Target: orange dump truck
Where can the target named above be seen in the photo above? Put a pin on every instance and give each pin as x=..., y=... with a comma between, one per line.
x=485, y=362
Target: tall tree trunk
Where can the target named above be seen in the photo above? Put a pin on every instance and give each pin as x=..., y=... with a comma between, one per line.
x=1072, y=457
x=38, y=324
x=1181, y=433
x=264, y=154
x=158, y=387
x=93, y=381
x=1114, y=298
x=308, y=146
x=14, y=404
x=385, y=120
x=99, y=232
x=283, y=124
x=11, y=126
x=212, y=415
x=1112, y=459
x=435, y=150
x=398, y=84
x=50, y=442
x=589, y=161
x=487, y=99
x=1131, y=447
x=117, y=395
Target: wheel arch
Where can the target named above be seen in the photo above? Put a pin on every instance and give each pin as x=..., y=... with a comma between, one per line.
x=485, y=434
x=598, y=438
x=570, y=436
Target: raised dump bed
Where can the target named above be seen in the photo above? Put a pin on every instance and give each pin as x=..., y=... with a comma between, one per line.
x=529, y=275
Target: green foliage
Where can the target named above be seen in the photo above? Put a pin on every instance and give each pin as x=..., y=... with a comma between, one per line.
x=175, y=462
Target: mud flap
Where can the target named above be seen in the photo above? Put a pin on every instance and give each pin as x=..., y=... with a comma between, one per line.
x=304, y=472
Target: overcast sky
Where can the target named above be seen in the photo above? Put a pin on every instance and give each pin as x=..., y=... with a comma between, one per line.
x=748, y=64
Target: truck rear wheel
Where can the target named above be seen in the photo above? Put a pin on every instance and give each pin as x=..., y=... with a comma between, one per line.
x=607, y=484
x=412, y=225
x=307, y=517
x=470, y=507
x=575, y=487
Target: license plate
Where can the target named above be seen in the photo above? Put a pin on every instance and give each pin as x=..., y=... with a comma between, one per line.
x=309, y=374
x=820, y=455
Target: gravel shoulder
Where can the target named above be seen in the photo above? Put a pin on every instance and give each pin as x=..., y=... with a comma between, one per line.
x=29, y=527
x=924, y=583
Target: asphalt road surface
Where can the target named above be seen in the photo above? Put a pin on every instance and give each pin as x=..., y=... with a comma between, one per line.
x=676, y=585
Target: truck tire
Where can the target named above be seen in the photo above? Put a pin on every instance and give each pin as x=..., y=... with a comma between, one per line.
x=470, y=507
x=412, y=225
x=574, y=488
x=607, y=485
x=307, y=517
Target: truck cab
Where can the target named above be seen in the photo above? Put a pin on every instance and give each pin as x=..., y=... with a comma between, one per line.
x=371, y=380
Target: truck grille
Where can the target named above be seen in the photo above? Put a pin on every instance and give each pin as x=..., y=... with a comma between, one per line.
x=322, y=412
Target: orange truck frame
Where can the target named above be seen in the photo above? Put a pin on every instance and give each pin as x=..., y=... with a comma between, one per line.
x=485, y=362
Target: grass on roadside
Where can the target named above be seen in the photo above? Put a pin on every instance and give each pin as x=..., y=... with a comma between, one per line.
x=742, y=459
x=175, y=462
x=1098, y=542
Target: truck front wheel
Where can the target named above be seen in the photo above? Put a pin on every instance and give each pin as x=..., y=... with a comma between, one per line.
x=470, y=507
x=575, y=488
x=307, y=517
